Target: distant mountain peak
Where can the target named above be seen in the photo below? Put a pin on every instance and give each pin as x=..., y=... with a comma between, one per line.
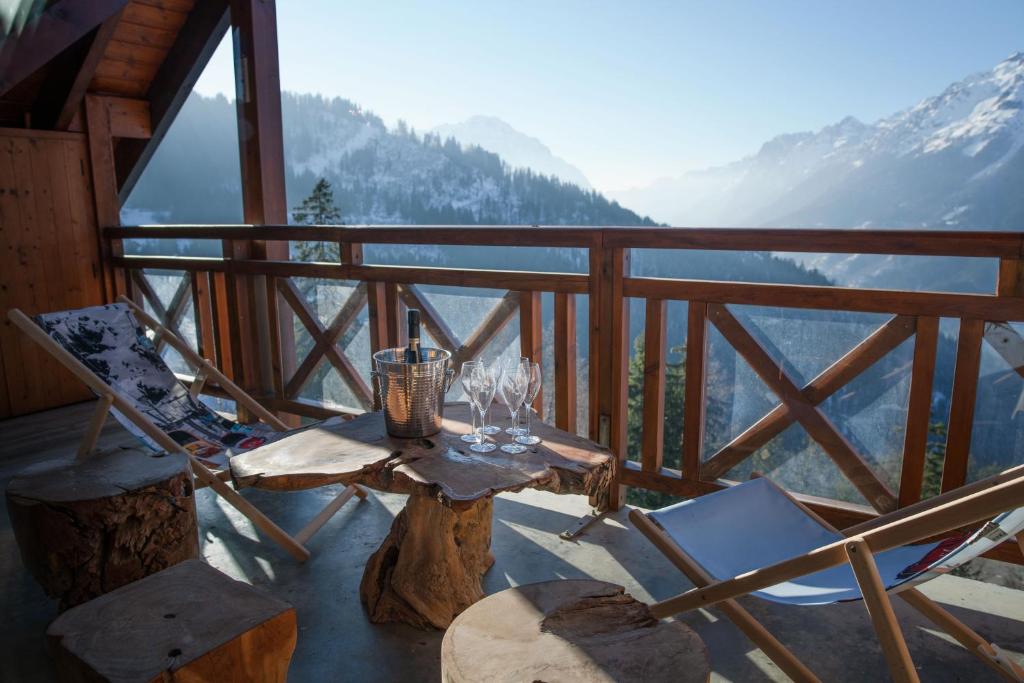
x=951, y=159
x=516, y=148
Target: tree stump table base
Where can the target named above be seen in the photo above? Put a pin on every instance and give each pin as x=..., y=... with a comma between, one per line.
x=429, y=567
x=571, y=632
x=86, y=527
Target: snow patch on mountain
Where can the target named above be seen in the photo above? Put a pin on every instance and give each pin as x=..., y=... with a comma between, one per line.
x=848, y=173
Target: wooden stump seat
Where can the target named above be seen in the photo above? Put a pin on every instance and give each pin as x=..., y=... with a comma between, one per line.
x=570, y=631
x=86, y=527
x=187, y=623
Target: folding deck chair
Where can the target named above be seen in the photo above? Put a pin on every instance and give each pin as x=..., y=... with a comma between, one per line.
x=756, y=539
x=107, y=348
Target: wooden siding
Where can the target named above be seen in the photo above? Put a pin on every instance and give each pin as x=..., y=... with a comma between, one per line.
x=49, y=258
x=145, y=33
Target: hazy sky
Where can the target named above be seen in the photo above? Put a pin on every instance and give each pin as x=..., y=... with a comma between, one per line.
x=630, y=92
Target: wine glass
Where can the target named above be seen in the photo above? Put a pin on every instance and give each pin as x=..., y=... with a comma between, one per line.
x=466, y=378
x=515, y=430
x=482, y=385
x=513, y=386
x=487, y=428
x=533, y=388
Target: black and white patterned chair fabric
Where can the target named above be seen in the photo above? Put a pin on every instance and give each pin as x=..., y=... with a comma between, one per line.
x=111, y=343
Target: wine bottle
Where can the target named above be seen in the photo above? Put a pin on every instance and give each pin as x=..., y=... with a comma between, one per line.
x=412, y=351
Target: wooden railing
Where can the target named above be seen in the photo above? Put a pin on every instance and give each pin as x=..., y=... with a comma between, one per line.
x=243, y=308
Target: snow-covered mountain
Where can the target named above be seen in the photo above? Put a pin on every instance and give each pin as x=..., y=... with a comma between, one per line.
x=517, y=149
x=379, y=175
x=948, y=162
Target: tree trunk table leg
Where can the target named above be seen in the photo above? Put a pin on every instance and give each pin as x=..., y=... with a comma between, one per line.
x=428, y=569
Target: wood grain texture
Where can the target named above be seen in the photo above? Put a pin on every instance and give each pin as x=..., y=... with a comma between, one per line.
x=890, y=637
x=51, y=255
x=919, y=410
x=359, y=451
x=565, y=361
x=655, y=333
x=430, y=565
x=962, y=404
x=574, y=631
x=189, y=623
x=617, y=370
x=694, y=403
x=818, y=426
x=87, y=527
x=531, y=338
x=837, y=375
x=984, y=306
x=998, y=244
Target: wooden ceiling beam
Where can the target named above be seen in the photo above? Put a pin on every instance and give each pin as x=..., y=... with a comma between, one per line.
x=202, y=32
x=64, y=90
x=57, y=28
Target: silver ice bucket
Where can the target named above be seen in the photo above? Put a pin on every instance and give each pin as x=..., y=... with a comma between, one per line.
x=412, y=394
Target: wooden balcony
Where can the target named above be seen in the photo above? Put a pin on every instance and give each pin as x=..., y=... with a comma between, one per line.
x=337, y=642
x=245, y=308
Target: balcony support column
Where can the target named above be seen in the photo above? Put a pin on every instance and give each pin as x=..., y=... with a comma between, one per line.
x=609, y=356
x=262, y=363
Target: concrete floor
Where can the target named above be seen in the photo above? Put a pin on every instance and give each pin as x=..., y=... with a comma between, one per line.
x=337, y=643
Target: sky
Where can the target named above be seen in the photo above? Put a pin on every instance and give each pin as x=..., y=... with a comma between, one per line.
x=630, y=92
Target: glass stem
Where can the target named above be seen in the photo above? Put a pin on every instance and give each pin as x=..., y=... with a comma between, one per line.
x=515, y=420
x=472, y=420
x=529, y=416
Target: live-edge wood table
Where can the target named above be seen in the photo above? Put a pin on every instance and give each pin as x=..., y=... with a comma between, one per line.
x=429, y=568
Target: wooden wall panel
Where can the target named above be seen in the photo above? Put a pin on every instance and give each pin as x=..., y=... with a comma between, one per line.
x=49, y=258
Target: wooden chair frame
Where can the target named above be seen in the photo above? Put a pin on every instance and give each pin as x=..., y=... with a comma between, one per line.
x=109, y=398
x=969, y=505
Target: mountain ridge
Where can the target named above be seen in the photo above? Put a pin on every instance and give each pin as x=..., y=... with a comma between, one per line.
x=962, y=141
x=516, y=148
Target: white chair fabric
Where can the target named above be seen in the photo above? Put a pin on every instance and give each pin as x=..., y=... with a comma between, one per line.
x=755, y=524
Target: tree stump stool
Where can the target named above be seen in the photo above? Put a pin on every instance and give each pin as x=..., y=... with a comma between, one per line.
x=571, y=632
x=186, y=623
x=86, y=527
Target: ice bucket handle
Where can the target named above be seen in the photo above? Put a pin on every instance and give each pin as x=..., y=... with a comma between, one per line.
x=449, y=377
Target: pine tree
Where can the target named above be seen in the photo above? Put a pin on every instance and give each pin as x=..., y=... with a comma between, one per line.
x=318, y=209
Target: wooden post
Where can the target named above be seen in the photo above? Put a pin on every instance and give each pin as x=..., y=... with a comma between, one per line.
x=104, y=184
x=919, y=409
x=694, y=399
x=350, y=253
x=376, y=310
x=609, y=355
x=395, y=315
x=221, y=321
x=1011, y=277
x=961, y=410
x=261, y=149
x=565, y=361
x=654, y=385
x=202, y=306
x=531, y=341
x=617, y=384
